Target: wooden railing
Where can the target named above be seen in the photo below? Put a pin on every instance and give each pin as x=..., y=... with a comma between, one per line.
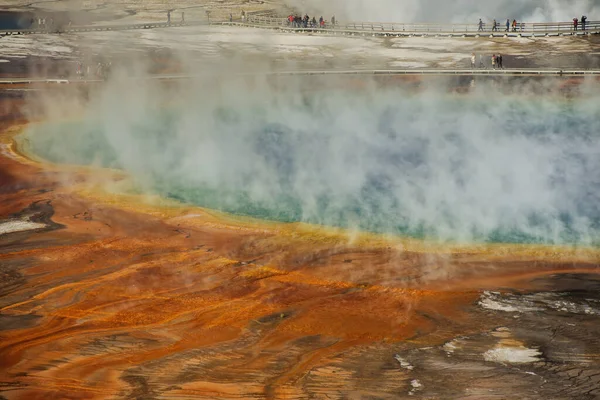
x=259, y=19
x=415, y=71
x=417, y=28
x=91, y=28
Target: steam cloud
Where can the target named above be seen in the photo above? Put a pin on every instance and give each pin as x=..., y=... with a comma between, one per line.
x=459, y=11
x=452, y=167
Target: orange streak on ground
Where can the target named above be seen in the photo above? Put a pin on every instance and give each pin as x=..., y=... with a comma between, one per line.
x=204, y=304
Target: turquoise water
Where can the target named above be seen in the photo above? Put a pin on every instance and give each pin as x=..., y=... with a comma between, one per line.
x=454, y=168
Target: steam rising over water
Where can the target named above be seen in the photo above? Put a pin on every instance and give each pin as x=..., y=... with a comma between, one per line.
x=479, y=167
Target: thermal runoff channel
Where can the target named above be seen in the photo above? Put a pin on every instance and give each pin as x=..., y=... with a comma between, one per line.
x=479, y=167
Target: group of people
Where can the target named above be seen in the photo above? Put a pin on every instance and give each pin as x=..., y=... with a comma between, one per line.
x=496, y=61
x=101, y=70
x=496, y=25
x=577, y=21
x=45, y=24
x=42, y=23
x=295, y=21
x=481, y=26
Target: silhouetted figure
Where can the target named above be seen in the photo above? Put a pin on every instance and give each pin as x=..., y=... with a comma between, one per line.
x=514, y=25
x=499, y=61
x=480, y=25
x=314, y=22
x=507, y=25
x=583, y=21
x=333, y=21
x=575, y=21
x=169, y=17
x=495, y=26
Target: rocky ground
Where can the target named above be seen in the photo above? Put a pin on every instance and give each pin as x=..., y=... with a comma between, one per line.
x=55, y=54
x=247, y=49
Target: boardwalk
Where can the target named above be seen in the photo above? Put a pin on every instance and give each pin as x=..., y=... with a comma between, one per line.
x=386, y=29
x=416, y=72
x=430, y=30
x=96, y=28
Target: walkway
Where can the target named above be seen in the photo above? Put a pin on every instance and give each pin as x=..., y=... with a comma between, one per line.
x=95, y=28
x=429, y=30
x=386, y=29
x=422, y=72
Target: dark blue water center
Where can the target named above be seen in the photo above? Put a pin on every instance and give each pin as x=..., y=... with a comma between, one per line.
x=449, y=168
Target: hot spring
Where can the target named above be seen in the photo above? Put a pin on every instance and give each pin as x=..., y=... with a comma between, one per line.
x=482, y=167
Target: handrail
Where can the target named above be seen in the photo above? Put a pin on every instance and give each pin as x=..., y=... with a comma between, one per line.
x=522, y=27
x=88, y=28
x=415, y=71
x=258, y=20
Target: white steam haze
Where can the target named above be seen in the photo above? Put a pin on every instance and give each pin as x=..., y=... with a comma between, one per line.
x=478, y=166
x=459, y=11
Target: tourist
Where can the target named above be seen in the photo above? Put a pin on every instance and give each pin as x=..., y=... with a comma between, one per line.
x=583, y=21
x=575, y=21
x=514, y=25
x=495, y=26
x=507, y=25
x=499, y=61
x=493, y=61
x=107, y=69
x=480, y=25
x=322, y=22
x=473, y=59
x=333, y=21
x=481, y=63
x=314, y=22
x=169, y=17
